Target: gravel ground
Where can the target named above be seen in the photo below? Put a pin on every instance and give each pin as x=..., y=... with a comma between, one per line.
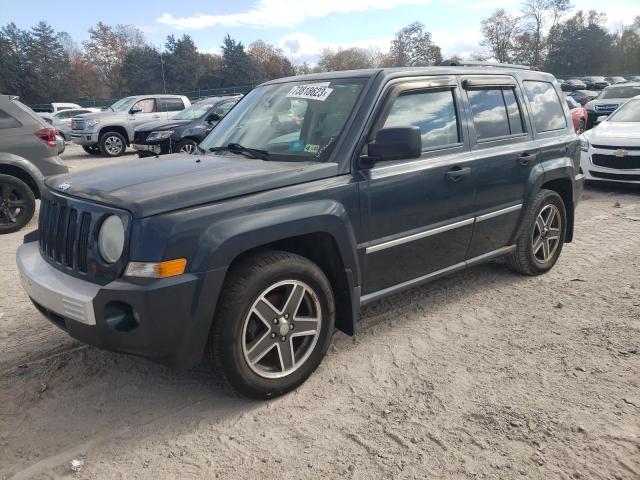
x=485, y=374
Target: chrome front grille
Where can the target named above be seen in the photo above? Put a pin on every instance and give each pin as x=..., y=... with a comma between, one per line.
x=77, y=123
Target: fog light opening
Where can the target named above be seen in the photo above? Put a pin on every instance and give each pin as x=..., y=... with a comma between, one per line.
x=121, y=316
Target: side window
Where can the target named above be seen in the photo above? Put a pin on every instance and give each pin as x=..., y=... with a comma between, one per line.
x=434, y=111
x=148, y=105
x=496, y=112
x=7, y=121
x=223, y=108
x=171, y=104
x=547, y=110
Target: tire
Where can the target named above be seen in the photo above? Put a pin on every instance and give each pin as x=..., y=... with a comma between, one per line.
x=582, y=125
x=246, y=350
x=186, y=146
x=17, y=204
x=92, y=149
x=540, y=244
x=112, y=144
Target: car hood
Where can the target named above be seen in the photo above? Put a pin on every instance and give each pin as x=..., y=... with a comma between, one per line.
x=624, y=134
x=150, y=187
x=162, y=125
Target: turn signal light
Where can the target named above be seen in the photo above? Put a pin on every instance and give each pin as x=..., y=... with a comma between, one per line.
x=169, y=268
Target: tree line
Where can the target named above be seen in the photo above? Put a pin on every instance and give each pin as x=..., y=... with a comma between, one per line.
x=544, y=35
x=42, y=65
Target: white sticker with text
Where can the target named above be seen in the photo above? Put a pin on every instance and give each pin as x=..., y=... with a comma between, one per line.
x=313, y=91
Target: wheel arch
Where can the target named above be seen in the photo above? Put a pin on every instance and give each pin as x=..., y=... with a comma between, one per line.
x=319, y=231
x=115, y=128
x=20, y=169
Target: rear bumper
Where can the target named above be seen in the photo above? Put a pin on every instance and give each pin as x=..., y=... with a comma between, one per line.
x=166, y=320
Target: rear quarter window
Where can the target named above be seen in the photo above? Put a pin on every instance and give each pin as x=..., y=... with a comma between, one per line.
x=7, y=121
x=547, y=110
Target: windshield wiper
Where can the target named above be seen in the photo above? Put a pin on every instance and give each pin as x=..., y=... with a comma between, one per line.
x=237, y=148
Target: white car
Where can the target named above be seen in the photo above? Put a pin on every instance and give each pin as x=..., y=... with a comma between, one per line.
x=611, y=150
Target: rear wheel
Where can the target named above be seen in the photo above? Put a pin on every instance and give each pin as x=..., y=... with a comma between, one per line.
x=186, y=146
x=274, y=324
x=542, y=236
x=112, y=144
x=17, y=204
x=91, y=149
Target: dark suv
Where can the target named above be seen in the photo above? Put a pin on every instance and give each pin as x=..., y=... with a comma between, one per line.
x=313, y=196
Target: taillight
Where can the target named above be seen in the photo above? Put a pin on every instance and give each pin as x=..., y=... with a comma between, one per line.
x=48, y=136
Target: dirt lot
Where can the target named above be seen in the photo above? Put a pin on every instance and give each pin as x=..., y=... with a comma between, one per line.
x=485, y=374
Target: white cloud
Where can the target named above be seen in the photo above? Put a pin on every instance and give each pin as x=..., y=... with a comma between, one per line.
x=306, y=47
x=458, y=42
x=280, y=13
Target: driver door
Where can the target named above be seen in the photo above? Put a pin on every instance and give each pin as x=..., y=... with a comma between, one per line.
x=149, y=112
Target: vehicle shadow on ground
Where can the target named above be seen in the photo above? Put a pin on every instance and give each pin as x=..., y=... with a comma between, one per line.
x=90, y=395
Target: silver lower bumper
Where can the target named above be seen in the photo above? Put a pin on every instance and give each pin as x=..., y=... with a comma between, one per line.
x=63, y=294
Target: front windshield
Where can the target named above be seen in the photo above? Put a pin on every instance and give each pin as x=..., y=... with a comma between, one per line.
x=627, y=91
x=122, y=104
x=290, y=121
x=196, y=110
x=629, y=112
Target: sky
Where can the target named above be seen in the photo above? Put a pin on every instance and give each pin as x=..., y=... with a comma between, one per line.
x=301, y=28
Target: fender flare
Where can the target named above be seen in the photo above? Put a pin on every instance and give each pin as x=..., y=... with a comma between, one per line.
x=26, y=166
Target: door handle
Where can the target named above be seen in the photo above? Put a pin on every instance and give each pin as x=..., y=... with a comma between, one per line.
x=156, y=116
x=456, y=173
x=526, y=158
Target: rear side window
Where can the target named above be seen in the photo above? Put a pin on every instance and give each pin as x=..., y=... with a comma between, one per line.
x=496, y=112
x=7, y=121
x=548, y=114
x=171, y=104
x=434, y=111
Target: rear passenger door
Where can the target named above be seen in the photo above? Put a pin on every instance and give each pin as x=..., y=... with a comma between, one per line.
x=503, y=146
x=418, y=213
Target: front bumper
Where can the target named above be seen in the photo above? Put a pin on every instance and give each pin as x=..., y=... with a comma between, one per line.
x=594, y=172
x=161, y=147
x=84, y=138
x=167, y=320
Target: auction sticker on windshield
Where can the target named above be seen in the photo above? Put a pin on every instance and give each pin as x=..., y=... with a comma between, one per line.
x=314, y=91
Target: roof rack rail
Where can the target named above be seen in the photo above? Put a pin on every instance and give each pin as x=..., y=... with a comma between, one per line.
x=474, y=63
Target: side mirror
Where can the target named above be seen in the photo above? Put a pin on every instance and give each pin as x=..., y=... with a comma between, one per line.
x=135, y=109
x=213, y=117
x=395, y=143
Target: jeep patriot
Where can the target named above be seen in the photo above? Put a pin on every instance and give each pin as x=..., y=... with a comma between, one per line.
x=314, y=196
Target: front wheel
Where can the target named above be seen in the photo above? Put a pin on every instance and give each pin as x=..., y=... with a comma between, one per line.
x=112, y=144
x=274, y=324
x=186, y=146
x=542, y=237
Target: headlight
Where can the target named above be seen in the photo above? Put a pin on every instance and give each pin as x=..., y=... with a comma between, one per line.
x=584, y=144
x=111, y=239
x=160, y=135
x=92, y=123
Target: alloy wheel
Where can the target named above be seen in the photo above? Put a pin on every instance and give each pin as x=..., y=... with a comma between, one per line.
x=545, y=237
x=113, y=145
x=282, y=329
x=187, y=148
x=12, y=205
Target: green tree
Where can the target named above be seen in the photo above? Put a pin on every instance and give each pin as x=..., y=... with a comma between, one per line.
x=182, y=64
x=142, y=71
x=413, y=47
x=237, y=67
x=47, y=66
x=13, y=43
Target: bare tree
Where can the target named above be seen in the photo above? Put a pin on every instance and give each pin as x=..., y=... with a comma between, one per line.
x=413, y=47
x=499, y=31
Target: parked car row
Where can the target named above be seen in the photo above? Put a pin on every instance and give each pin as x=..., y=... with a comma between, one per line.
x=592, y=83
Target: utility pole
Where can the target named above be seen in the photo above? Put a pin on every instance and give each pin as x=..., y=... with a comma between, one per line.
x=164, y=85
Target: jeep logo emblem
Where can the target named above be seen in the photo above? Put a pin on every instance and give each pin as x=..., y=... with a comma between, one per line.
x=620, y=153
x=64, y=186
